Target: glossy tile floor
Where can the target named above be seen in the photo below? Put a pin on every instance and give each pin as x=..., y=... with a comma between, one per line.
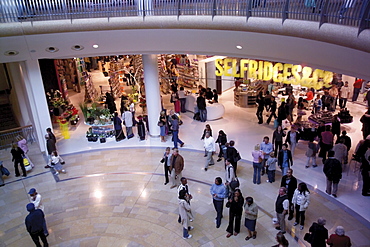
x=113, y=193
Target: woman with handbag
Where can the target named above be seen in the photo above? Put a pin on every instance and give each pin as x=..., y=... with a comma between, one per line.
x=257, y=164
x=22, y=144
x=301, y=200
x=17, y=154
x=235, y=205
x=318, y=234
x=251, y=212
x=162, y=125
x=56, y=162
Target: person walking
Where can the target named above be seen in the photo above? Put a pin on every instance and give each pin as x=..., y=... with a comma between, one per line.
x=251, y=213
x=128, y=121
x=344, y=95
x=184, y=208
x=175, y=132
x=271, y=168
x=356, y=89
x=51, y=135
x=184, y=186
x=266, y=148
x=166, y=160
x=57, y=163
x=235, y=203
x=35, y=198
x=285, y=160
x=301, y=200
x=35, y=222
x=162, y=125
x=292, y=139
x=260, y=107
x=312, y=149
x=221, y=140
x=176, y=167
x=333, y=173
x=277, y=139
x=206, y=129
x=219, y=193
x=290, y=183
x=202, y=107
x=210, y=148
x=273, y=107
x=233, y=155
x=117, y=122
x=258, y=156
x=339, y=239
x=17, y=158
x=319, y=233
x=281, y=209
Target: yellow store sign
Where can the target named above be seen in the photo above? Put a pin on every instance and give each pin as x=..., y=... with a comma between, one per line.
x=285, y=73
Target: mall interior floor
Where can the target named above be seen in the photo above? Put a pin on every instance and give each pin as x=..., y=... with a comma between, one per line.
x=113, y=193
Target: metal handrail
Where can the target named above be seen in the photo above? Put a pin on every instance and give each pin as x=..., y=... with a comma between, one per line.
x=354, y=13
x=7, y=137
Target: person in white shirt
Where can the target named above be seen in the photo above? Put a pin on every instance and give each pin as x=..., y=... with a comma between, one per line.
x=210, y=147
x=184, y=186
x=229, y=175
x=344, y=94
x=182, y=98
x=127, y=118
x=35, y=198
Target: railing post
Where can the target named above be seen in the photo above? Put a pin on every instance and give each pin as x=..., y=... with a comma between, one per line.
x=324, y=15
x=249, y=9
x=364, y=14
x=179, y=9
x=286, y=11
x=214, y=12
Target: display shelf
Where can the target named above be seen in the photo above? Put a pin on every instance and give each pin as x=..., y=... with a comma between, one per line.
x=90, y=91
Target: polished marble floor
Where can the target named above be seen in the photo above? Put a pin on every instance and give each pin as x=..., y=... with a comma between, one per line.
x=113, y=193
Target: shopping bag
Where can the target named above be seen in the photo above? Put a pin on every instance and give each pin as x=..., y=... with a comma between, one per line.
x=4, y=171
x=27, y=164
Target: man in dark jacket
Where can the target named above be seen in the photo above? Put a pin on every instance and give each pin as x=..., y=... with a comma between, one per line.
x=50, y=146
x=233, y=155
x=35, y=222
x=290, y=183
x=365, y=120
x=285, y=160
x=333, y=173
x=281, y=209
x=202, y=107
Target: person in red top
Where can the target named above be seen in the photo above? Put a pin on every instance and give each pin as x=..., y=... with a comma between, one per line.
x=339, y=239
x=326, y=142
x=309, y=95
x=356, y=89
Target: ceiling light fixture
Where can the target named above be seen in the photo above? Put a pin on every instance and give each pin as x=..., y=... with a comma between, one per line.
x=239, y=47
x=11, y=53
x=77, y=47
x=52, y=49
x=95, y=46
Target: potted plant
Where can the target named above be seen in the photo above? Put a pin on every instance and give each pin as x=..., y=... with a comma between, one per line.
x=74, y=119
x=95, y=137
x=102, y=138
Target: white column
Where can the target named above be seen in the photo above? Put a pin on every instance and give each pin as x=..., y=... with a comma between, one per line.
x=152, y=92
x=18, y=95
x=37, y=99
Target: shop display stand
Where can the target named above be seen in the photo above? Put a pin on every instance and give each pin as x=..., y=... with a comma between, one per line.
x=90, y=92
x=114, y=84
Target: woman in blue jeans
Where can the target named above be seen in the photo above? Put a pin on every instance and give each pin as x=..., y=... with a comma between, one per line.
x=257, y=164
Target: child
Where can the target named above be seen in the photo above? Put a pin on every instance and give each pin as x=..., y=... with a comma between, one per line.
x=317, y=104
x=271, y=167
x=311, y=152
x=56, y=162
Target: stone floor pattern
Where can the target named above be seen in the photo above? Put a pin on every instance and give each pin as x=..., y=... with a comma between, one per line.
x=117, y=198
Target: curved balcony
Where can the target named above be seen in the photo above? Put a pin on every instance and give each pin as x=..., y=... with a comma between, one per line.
x=355, y=13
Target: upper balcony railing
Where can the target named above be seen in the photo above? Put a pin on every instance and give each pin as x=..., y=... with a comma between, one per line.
x=354, y=13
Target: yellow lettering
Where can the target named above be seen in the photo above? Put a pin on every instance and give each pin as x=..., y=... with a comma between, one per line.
x=235, y=72
x=243, y=67
x=219, y=68
x=287, y=73
x=328, y=78
x=267, y=71
x=278, y=77
x=252, y=69
x=227, y=62
x=260, y=70
x=306, y=73
x=296, y=69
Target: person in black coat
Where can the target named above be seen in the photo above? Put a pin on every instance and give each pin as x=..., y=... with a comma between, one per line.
x=51, y=135
x=117, y=122
x=335, y=127
x=319, y=233
x=232, y=154
x=141, y=129
x=282, y=113
x=261, y=104
x=333, y=173
x=365, y=120
x=235, y=203
x=365, y=172
x=272, y=109
x=202, y=107
x=35, y=222
x=283, y=163
x=109, y=101
x=18, y=155
x=290, y=182
x=221, y=140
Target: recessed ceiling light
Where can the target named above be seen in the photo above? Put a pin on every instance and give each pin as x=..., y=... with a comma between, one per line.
x=52, y=49
x=239, y=47
x=77, y=47
x=11, y=53
x=32, y=50
x=96, y=46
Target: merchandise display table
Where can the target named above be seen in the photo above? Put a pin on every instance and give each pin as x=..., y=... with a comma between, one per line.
x=214, y=111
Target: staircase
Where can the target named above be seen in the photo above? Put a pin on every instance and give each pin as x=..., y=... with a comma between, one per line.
x=7, y=119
